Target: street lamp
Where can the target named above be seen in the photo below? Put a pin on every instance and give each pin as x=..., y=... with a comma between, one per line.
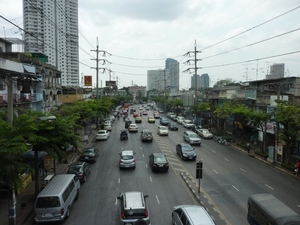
x=36, y=157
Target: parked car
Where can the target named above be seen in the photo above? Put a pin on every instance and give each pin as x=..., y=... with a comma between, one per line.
x=102, y=135
x=151, y=119
x=133, y=208
x=191, y=137
x=146, y=135
x=133, y=128
x=138, y=119
x=191, y=214
x=127, y=159
x=162, y=130
x=173, y=126
x=80, y=169
x=186, y=151
x=205, y=133
x=89, y=154
x=188, y=124
x=107, y=126
x=158, y=162
x=180, y=119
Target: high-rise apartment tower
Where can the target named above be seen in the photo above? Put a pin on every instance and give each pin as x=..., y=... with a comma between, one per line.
x=52, y=29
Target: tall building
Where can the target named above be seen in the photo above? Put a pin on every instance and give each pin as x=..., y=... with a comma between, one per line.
x=276, y=71
x=156, y=79
x=52, y=29
x=193, y=81
x=173, y=75
x=204, y=80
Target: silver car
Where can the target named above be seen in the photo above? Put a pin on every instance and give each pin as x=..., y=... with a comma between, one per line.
x=127, y=159
x=134, y=209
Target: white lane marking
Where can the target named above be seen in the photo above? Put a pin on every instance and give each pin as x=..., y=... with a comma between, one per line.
x=243, y=170
x=151, y=179
x=269, y=187
x=235, y=188
x=146, y=165
x=119, y=180
x=143, y=155
x=116, y=201
x=157, y=199
x=215, y=171
x=226, y=159
x=213, y=151
x=298, y=206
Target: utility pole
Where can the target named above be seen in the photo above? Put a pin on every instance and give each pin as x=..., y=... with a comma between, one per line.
x=165, y=87
x=278, y=87
x=195, y=52
x=97, y=65
x=12, y=201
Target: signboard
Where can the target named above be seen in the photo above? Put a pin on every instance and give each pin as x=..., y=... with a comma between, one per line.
x=87, y=80
x=49, y=164
x=110, y=83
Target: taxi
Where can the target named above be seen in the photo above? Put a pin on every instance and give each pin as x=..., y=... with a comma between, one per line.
x=151, y=119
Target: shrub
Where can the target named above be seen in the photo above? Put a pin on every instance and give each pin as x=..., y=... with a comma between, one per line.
x=262, y=154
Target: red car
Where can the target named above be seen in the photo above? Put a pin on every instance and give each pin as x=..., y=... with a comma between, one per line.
x=135, y=114
x=145, y=113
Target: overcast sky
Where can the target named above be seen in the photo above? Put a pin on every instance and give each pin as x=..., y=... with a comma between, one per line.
x=238, y=39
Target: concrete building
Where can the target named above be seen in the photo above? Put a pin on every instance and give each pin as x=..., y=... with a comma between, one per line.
x=26, y=82
x=52, y=29
x=156, y=79
x=193, y=81
x=172, y=66
x=276, y=71
x=204, y=81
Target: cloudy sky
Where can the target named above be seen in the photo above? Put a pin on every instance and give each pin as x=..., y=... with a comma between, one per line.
x=236, y=39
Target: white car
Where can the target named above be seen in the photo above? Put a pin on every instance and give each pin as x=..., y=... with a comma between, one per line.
x=205, y=133
x=133, y=128
x=162, y=130
x=188, y=124
x=107, y=126
x=180, y=119
x=102, y=135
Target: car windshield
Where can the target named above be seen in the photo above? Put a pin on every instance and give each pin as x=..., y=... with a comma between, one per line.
x=205, y=131
x=101, y=132
x=163, y=128
x=193, y=136
x=187, y=148
x=135, y=214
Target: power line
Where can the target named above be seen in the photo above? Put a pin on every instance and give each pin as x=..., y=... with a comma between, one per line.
x=276, y=17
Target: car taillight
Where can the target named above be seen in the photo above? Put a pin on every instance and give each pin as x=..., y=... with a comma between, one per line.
x=133, y=160
x=146, y=212
x=80, y=174
x=62, y=211
x=123, y=214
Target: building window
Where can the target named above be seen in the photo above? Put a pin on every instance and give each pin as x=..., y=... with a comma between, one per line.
x=2, y=87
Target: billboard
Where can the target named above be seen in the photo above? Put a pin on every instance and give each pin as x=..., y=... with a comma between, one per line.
x=87, y=81
x=110, y=83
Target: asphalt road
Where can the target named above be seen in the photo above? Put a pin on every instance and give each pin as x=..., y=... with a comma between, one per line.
x=229, y=177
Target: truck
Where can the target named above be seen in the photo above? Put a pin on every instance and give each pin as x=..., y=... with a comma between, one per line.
x=126, y=106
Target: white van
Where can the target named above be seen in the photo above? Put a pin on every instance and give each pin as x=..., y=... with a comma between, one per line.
x=53, y=203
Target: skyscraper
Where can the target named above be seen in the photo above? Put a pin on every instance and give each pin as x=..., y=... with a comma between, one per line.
x=193, y=81
x=173, y=73
x=52, y=29
x=156, y=80
x=204, y=80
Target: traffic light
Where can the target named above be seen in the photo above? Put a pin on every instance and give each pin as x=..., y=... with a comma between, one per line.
x=199, y=167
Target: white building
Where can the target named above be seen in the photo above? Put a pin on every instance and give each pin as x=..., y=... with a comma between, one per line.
x=156, y=79
x=173, y=75
x=52, y=29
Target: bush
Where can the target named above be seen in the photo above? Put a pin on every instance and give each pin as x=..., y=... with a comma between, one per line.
x=262, y=154
x=289, y=166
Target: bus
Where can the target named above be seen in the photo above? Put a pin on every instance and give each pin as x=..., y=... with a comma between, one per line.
x=265, y=209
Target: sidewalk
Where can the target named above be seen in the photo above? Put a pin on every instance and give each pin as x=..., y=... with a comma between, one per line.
x=25, y=200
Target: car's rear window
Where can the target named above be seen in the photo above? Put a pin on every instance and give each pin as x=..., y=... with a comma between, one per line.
x=135, y=214
x=127, y=157
x=160, y=159
x=47, y=202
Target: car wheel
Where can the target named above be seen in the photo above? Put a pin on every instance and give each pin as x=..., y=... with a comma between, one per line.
x=181, y=156
x=68, y=213
x=77, y=195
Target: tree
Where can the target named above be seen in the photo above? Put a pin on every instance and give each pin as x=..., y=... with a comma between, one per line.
x=203, y=110
x=224, y=82
x=287, y=115
x=176, y=104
